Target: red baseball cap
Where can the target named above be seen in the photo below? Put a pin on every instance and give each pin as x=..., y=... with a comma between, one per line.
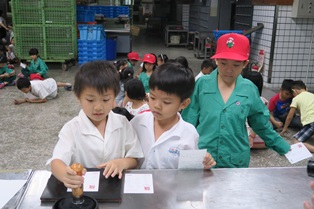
x=133, y=56
x=232, y=46
x=150, y=58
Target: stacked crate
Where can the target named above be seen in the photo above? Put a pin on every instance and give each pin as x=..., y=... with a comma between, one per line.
x=183, y=15
x=92, y=43
x=49, y=26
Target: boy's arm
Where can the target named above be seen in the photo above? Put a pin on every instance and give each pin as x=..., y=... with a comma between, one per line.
x=65, y=174
x=36, y=100
x=288, y=120
x=19, y=101
x=116, y=166
x=276, y=123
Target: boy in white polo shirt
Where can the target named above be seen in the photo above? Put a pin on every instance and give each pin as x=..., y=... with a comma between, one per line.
x=97, y=137
x=162, y=132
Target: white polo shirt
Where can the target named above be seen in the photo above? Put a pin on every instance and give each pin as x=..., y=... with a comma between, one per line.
x=163, y=153
x=81, y=142
x=43, y=89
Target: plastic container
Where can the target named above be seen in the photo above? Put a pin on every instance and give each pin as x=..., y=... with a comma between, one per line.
x=175, y=39
x=91, y=32
x=111, y=48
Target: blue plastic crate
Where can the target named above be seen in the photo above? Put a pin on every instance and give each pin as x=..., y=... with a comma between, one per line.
x=84, y=59
x=91, y=51
x=85, y=16
x=218, y=33
x=91, y=44
x=91, y=32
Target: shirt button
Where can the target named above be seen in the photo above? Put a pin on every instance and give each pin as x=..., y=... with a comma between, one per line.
x=222, y=126
x=224, y=111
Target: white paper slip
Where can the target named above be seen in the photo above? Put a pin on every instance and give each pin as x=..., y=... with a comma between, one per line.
x=8, y=188
x=191, y=159
x=297, y=153
x=22, y=65
x=138, y=183
x=91, y=182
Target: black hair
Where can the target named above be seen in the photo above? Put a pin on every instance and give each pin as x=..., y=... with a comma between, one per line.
x=135, y=89
x=1, y=13
x=183, y=61
x=120, y=63
x=23, y=83
x=298, y=85
x=100, y=75
x=256, y=78
x=126, y=74
x=144, y=69
x=3, y=59
x=208, y=64
x=173, y=78
x=163, y=57
x=123, y=111
x=33, y=51
x=286, y=85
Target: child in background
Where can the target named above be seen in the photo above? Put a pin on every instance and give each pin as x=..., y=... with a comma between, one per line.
x=303, y=102
x=255, y=141
x=97, y=137
x=279, y=106
x=37, y=70
x=7, y=75
x=133, y=58
x=135, y=97
x=126, y=74
x=140, y=70
x=38, y=91
x=183, y=61
x=161, y=59
x=162, y=132
x=148, y=68
x=223, y=101
x=3, y=28
x=206, y=68
x=12, y=58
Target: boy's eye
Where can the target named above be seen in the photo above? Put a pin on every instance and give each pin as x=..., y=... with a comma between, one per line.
x=166, y=102
x=106, y=100
x=89, y=100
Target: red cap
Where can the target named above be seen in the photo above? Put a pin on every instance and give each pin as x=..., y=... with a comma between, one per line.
x=149, y=58
x=133, y=56
x=232, y=46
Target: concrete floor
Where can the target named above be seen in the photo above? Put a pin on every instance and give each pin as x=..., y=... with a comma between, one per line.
x=29, y=132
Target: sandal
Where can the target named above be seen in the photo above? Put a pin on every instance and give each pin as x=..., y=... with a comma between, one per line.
x=68, y=87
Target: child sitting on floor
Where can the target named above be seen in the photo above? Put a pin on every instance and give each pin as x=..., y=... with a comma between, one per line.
x=37, y=70
x=7, y=75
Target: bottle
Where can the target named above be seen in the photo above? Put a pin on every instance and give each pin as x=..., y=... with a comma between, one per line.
x=77, y=193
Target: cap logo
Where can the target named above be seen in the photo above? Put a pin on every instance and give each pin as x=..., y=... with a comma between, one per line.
x=230, y=42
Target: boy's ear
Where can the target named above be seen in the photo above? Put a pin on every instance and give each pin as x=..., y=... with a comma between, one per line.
x=185, y=103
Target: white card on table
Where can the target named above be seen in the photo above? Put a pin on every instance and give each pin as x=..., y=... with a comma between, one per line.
x=138, y=183
x=8, y=188
x=91, y=181
x=297, y=153
x=192, y=159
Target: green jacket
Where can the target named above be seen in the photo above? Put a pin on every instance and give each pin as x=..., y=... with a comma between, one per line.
x=38, y=67
x=222, y=126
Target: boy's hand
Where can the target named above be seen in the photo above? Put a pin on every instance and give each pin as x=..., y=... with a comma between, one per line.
x=112, y=168
x=282, y=133
x=278, y=124
x=209, y=161
x=71, y=180
x=17, y=102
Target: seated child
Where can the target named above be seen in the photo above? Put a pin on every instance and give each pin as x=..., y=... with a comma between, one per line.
x=162, y=59
x=11, y=55
x=206, y=68
x=162, y=132
x=279, y=106
x=38, y=91
x=37, y=69
x=7, y=75
x=303, y=103
x=97, y=137
x=135, y=97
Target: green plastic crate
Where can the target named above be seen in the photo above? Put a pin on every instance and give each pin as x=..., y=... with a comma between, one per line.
x=69, y=5
x=60, y=17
